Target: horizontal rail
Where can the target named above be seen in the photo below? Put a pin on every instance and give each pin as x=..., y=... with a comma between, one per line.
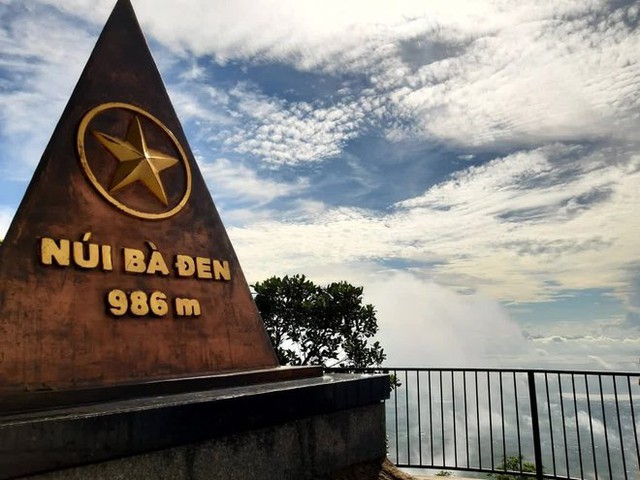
x=462, y=369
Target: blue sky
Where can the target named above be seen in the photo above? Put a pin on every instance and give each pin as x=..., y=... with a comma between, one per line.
x=474, y=164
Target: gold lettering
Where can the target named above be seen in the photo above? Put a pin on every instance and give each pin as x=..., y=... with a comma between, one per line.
x=185, y=265
x=93, y=258
x=107, y=263
x=134, y=260
x=187, y=307
x=139, y=305
x=221, y=269
x=50, y=251
x=118, y=303
x=157, y=264
x=203, y=266
x=158, y=304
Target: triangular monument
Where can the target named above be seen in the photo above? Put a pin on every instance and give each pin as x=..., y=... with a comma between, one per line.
x=116, y=268
x=130, y=344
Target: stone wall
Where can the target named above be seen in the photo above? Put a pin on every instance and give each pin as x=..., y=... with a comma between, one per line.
x=302, y=449
x=281, y=430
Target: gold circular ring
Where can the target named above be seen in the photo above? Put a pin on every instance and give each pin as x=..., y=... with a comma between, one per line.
x=87, y=169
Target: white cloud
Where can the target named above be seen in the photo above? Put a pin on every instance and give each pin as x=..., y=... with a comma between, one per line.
x=231, y=180
x=245, y=121
x=313, y=35
x=200, y=103
x=6, y=215
x=584, y=351
x=43, y=57
x=473, y=73
x=518, y=228
x=537, y=81
x=282, y=133
x=423, y=323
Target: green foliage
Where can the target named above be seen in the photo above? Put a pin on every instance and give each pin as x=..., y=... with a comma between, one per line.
x=513, y=463
x=395, y=381
x=312, y=324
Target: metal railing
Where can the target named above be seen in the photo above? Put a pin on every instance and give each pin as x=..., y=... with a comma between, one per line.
x=544, y=424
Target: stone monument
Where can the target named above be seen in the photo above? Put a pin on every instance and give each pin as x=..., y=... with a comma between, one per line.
x=126, y=324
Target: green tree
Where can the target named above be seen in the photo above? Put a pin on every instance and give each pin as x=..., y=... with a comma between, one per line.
x=513, y=464
x=312, y=324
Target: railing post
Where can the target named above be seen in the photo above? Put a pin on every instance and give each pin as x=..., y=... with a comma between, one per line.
x=535, y=424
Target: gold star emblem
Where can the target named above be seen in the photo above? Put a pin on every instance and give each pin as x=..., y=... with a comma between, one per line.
x=99, y=146
x=138, y=162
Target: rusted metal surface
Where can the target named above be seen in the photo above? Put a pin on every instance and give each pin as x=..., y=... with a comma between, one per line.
x=58, y=329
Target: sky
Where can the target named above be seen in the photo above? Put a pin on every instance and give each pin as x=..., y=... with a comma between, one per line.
x=475, y=165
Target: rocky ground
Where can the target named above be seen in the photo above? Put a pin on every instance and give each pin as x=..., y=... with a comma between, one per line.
x=381, y=469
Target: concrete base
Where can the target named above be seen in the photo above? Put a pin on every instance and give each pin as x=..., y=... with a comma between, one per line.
x=302, y=449
x=299, y=429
